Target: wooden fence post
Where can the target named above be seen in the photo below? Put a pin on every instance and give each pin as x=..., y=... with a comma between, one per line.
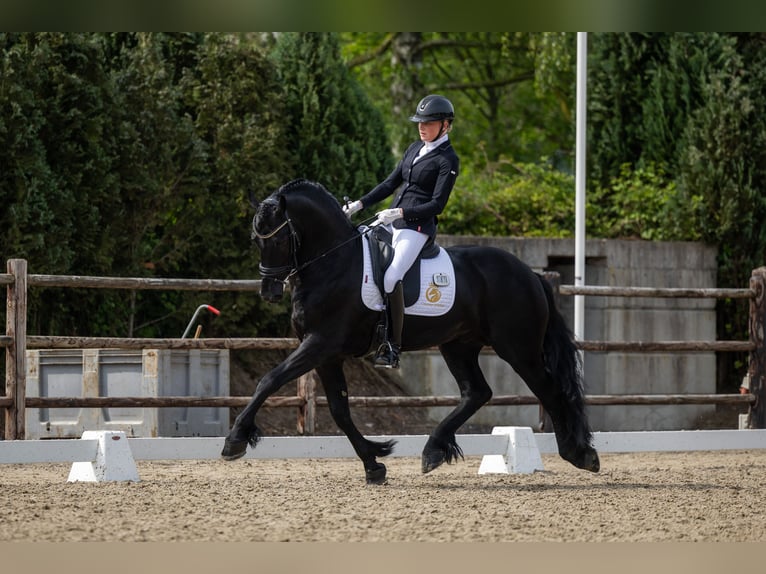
x=757, y=364
x=15, y=354
x=307, y=412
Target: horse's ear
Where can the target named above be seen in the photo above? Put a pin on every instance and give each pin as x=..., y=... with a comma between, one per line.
x=251, y=199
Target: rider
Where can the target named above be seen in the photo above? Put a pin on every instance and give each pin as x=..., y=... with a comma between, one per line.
x=421, y=185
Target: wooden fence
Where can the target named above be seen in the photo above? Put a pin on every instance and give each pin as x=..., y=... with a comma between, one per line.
x=16, y=342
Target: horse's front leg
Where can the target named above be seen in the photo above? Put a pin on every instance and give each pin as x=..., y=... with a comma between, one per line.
x=334, y=382
x=244, y=430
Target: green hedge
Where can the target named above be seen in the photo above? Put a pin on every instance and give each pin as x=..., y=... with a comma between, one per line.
x=532, y=200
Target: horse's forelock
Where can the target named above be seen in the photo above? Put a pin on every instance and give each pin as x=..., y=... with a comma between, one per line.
x=265, y=210
x=268, y=205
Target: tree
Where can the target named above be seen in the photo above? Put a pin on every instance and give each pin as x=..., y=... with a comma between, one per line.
x=58, y=180
x=724, y=165
x=56, y=137
x=133, y=155
x=234, y=97
x=692, y=104
x=333, y=132
x=505, y=110
x=643, y=88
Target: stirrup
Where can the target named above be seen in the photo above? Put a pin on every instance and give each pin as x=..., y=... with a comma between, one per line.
x=387, y=356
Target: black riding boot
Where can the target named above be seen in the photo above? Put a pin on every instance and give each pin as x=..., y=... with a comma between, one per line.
x=388, y=353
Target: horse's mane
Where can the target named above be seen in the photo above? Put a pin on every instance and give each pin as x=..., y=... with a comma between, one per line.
x=314, y=192
x=301, y=184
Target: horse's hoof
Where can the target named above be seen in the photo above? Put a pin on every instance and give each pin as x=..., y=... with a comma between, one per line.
x=376, y=475
x=585, y=460
x=431, y=459
x=233, y=449
x=590, y=461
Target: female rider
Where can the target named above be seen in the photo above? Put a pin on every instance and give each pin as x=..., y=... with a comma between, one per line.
x=421, y=185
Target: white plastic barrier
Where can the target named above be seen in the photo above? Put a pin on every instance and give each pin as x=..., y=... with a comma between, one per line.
x=111, y=456
x=522, y=454
x=666, y=441
x=201, y=448
x=113, y=461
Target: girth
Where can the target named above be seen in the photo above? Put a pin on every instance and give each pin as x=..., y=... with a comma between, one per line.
x=381, y=255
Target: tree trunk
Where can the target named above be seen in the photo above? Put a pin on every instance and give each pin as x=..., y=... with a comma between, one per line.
x=406, y=86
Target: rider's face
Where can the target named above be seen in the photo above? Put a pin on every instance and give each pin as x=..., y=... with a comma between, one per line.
x=429, y=130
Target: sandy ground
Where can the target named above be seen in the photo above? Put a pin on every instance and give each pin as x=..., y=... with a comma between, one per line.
x=655, y=497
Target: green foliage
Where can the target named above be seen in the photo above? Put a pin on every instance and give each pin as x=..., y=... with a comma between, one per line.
x=691, y=108
x=723, y=161
x=134, y=154
x=533, y=201
x=505, y=110
x=641, y=204
x=55, y=167
x=334, y=133
x=724, y=164
x=233, y=95
x=694, y=104
x=537, y=200
x=57, y=177
x=643, y=90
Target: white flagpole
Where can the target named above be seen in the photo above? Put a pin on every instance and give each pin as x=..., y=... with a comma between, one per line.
x=579, y=275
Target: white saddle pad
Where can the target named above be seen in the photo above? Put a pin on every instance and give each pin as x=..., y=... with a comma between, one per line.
x=437, y=286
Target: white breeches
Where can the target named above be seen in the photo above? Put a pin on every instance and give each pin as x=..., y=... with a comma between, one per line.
x=407, y=245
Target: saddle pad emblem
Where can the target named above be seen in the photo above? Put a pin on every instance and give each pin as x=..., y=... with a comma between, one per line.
x=437, y=286
x=440, y=280
x=433, y=294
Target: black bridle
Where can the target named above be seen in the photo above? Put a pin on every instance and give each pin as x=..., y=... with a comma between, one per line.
x=284, y=273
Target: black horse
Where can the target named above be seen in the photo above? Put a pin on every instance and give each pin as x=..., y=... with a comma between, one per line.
x=305, y=238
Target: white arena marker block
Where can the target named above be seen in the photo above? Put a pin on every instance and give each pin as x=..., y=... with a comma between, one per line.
x=113, y=462
x=522, y=456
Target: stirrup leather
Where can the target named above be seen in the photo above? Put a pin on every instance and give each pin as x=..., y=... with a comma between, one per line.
x=388, y=352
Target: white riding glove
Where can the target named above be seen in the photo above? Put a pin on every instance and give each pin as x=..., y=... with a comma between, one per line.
x=351, y=208
x=390, y=215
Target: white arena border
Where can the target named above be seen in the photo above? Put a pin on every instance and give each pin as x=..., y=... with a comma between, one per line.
x=110, y=455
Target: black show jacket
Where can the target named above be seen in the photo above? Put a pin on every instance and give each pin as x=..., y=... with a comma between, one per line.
x=422, y=189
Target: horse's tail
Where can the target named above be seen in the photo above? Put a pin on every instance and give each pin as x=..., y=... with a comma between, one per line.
x=564, y=364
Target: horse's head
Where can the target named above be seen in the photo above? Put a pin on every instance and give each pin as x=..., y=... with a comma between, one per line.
x=299, y=209
x=277, y=242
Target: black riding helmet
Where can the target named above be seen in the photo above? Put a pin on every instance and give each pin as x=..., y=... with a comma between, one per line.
x=434, y=108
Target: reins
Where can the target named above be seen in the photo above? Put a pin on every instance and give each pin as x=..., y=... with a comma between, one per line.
x=272, y=272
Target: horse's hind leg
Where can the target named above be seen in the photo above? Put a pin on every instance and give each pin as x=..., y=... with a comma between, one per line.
x=565, y=409
x=463, y=362
x=334, y=383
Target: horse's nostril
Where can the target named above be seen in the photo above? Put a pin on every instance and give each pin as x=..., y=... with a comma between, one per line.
x=273, y=295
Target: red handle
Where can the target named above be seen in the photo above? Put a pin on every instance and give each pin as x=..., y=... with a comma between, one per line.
x=213, y=309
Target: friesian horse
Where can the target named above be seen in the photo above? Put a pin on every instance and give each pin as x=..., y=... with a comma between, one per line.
x=305, y=239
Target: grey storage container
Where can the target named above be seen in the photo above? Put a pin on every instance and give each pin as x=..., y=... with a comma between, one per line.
x=122, y=373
